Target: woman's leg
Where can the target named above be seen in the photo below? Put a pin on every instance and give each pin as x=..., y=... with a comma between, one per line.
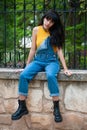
x=51, y=72
x=29, y=72
x=26, y=76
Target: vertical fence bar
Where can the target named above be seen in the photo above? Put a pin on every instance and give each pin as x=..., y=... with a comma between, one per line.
x=85, y=37
x=10, y=59
x=0, y=59
x=79, y=58
x=54, y=4
x=34, y=7
x=69, y=55
x=44, y=8
x=64, y=10
x=5, y=32
x=74, y=37
x=14, y=33
x=19, y=56
x=24, y=32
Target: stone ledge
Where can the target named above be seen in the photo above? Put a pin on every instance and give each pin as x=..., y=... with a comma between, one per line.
x=77, y=75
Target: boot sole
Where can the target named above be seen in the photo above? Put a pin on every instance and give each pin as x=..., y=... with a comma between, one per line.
x=18, y=117
x=58, y=120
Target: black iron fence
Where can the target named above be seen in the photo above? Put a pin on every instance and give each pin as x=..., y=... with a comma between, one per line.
x=18, y=17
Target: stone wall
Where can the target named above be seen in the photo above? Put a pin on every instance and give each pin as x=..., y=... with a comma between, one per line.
x=73, y=102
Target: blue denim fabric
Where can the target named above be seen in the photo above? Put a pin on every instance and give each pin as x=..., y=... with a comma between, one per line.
x=45, y=60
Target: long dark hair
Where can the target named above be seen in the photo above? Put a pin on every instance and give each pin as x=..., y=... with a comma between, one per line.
x=56, y=31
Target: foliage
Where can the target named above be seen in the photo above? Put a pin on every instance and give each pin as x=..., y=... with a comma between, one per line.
x=18, y=17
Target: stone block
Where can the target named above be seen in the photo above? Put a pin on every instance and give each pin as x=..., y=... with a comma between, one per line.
x=71, y=121
x=46, y=91
x=5, y=119
x=42, y=119
x=76, y=97
x=11, y=105
x=35, y=84
x=3, y=127
x=8, y=88
x=47, y=106
x=34, y=100
x=2, y=108
x=19, y=125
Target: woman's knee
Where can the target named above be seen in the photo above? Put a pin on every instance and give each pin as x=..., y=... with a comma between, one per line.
x=21, y=75
x=50, y=76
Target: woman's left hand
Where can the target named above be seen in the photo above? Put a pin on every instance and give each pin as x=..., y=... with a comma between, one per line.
x=67, y=72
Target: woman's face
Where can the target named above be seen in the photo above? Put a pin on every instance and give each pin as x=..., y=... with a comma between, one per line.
x=47, y=23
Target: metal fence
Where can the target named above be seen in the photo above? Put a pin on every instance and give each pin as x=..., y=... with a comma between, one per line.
x=18, y=17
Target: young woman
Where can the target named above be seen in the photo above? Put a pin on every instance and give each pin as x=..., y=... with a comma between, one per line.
x=47, y=41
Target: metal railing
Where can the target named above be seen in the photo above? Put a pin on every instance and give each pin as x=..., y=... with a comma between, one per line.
x=17, y=18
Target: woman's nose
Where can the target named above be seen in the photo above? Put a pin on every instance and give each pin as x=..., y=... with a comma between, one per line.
x=48, y=22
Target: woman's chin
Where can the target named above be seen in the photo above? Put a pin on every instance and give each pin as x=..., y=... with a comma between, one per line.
x=45, y=28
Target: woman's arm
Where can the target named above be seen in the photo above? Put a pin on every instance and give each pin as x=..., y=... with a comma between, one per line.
x=33, y=46
x=62, y=59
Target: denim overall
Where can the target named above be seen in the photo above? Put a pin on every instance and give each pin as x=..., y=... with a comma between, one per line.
x=45, y=60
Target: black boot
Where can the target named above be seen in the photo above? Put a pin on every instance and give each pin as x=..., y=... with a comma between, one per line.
x=22, y=110
x=57, y=114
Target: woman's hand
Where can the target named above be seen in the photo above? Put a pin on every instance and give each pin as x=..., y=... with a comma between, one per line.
x=18, y=70
x=67, y=72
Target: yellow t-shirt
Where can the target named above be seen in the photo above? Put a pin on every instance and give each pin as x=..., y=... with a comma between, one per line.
x=41, y=36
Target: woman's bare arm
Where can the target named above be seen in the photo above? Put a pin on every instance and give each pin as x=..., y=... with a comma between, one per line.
x=33, y=46
x=62, y=59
